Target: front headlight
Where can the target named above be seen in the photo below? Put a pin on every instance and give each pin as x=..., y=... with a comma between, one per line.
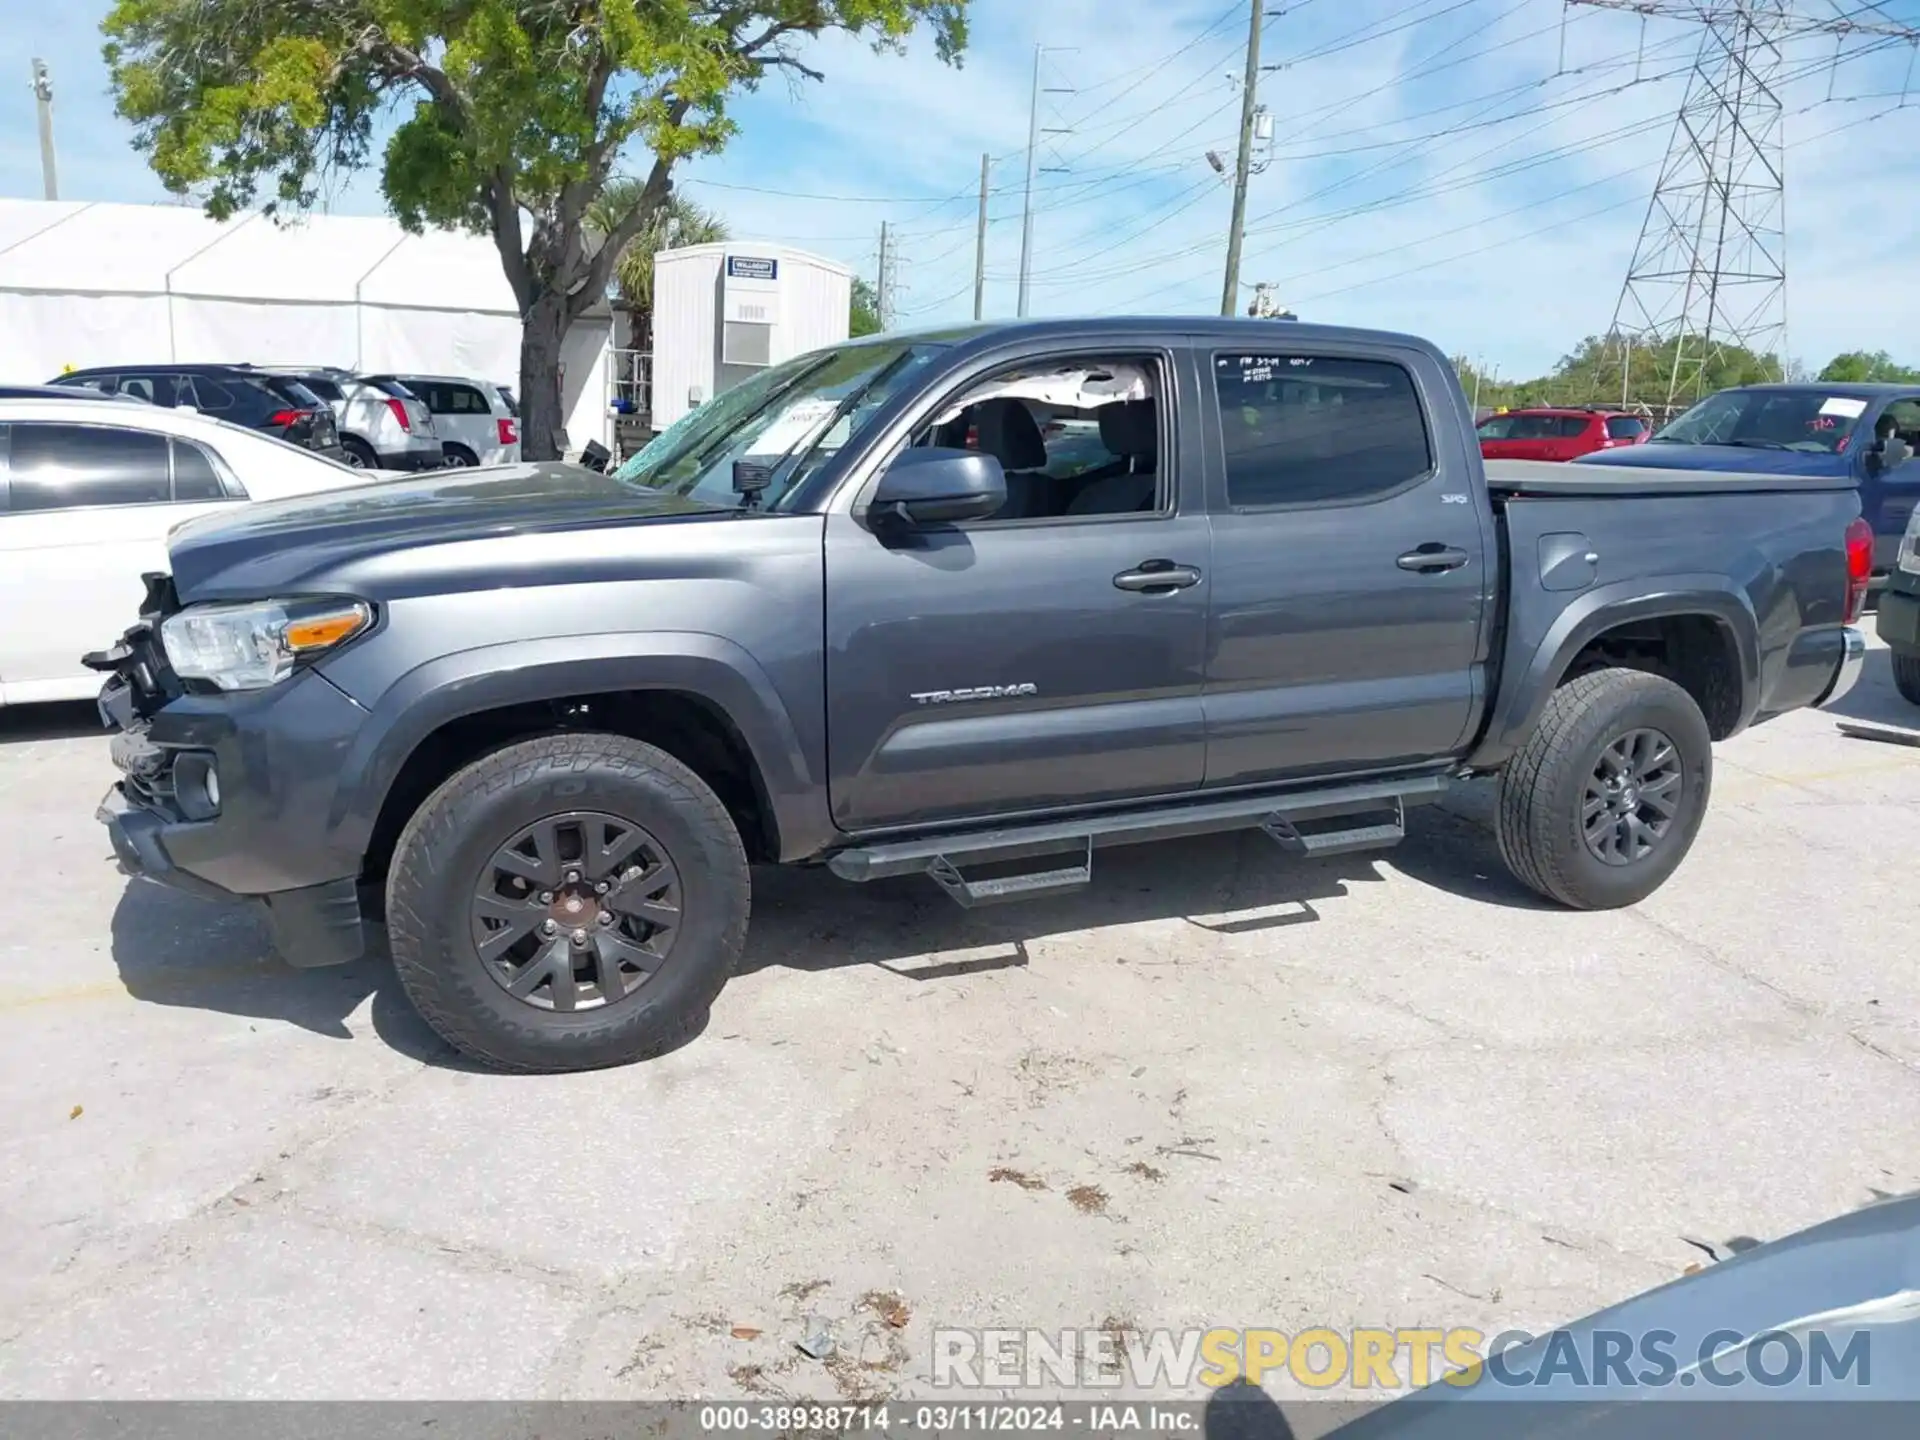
x=252, y=646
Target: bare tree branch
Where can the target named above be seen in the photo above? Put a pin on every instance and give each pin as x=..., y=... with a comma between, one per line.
x=653, y=194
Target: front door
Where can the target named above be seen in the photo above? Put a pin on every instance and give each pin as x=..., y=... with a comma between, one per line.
x=1352, y=580
x=1029, y=661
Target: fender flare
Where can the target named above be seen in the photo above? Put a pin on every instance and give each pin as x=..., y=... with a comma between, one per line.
x=1526, y=681
x=491, y=677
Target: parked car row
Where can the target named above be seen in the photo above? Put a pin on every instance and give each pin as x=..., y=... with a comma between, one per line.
x=371, y=422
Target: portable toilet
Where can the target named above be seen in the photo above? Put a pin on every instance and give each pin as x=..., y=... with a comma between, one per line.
x=726, y=311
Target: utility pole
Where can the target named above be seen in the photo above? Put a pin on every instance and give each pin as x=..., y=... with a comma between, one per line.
x=1249, y=100
x=883, y=287
x=1033, y=142
x=980, y=244
x=43, y=99
x=1026, y=204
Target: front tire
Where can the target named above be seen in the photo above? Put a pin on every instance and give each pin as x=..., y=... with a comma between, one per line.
x=458, y=457
x=1603, y=801
x=1906, y=675
x=568, y=903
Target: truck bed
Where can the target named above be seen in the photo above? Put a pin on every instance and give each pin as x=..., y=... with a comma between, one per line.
x=1545, y=477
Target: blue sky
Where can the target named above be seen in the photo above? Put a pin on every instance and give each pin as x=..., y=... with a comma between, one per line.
x=1437, y=166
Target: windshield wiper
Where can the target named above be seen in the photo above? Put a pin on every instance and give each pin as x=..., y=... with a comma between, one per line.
x=1751, y=444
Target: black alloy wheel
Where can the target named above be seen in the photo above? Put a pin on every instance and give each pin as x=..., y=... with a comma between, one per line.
x=1632, y=797
x=576, y=911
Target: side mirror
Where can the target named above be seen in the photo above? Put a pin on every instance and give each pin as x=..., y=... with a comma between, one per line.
x=934, y=485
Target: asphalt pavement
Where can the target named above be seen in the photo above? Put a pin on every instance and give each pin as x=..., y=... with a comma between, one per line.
x=1222, y=1087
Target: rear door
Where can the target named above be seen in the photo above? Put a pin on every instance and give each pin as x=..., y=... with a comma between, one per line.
x=1574, y=436
x=1352, y=564
x=84, y=513
x=463, y=417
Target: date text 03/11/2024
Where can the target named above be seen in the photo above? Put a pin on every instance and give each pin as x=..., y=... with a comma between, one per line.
x=1097, y=1419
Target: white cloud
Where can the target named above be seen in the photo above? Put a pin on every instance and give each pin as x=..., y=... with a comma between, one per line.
x=1507, y=237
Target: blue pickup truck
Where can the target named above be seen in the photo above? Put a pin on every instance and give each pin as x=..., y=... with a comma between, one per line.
x=1814, y=429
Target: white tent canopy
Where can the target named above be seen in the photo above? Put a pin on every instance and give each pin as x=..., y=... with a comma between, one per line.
x=98, y=284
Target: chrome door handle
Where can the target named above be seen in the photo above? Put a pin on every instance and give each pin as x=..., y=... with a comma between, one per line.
x=1432, y=559
x=1156, y=577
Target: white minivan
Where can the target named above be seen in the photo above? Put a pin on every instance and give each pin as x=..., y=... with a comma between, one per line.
x=476, y=420
x=88, y=493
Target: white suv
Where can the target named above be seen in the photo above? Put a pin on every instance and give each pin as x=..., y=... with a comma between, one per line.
x=476, y=420
x=383, y=425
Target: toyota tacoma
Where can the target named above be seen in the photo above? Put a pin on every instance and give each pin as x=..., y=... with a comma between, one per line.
x=971, y=604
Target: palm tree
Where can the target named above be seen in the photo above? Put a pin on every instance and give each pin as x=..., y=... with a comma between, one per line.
x=678, y=222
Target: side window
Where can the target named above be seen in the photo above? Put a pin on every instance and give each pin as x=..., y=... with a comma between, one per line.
x=464, y=400
x=1076, y=437
x=1572, y=427
x=194, y=477
x=65, y=467
x=1624, y=427
x=1318, y=429
x=154, y=389
x=207, y=394
x=1906, y=420
x=103, y=383
x=322, y=387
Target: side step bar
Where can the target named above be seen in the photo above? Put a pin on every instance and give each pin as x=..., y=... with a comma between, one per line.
x=1381, y=804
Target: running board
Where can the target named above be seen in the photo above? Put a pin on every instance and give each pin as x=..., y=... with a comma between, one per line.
x=1315, y=843
x=1033, y=885
x=1280, y=816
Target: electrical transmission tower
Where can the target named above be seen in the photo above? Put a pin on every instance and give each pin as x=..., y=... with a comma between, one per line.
x=1709, y=272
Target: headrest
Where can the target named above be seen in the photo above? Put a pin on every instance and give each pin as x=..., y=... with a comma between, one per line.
x=1130, y=427
x=1010, y=434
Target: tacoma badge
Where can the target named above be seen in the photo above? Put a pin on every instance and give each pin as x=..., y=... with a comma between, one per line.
x=978, y=692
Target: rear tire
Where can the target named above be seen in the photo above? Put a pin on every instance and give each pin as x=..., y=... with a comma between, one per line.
x=458, y=456
x=446, y=879
x=1906, y=675
x=1578, y=821
x=359, y=454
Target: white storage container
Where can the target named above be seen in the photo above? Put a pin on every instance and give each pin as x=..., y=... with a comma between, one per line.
x=726, y=311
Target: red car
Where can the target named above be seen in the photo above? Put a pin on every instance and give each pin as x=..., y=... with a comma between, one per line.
x=1555, y=434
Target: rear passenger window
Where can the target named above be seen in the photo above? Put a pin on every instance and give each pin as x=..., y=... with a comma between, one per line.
x=154, y=389
x=205, y=394
x=66, y=467
x=1317, y=429
x=194, y=477
x=1572, y=427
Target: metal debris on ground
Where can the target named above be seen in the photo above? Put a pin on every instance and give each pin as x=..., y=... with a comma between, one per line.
x=1888, y=734
x=816, y=1340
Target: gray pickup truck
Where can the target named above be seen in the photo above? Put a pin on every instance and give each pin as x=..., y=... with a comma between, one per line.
x=970, y=604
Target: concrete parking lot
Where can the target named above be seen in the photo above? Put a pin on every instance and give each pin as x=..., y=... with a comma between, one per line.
x=1221, y=1088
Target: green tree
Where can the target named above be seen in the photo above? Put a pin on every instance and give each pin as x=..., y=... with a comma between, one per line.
x=1860, y=366
x=676, y=222
x=863, y=313
x=511, y=115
